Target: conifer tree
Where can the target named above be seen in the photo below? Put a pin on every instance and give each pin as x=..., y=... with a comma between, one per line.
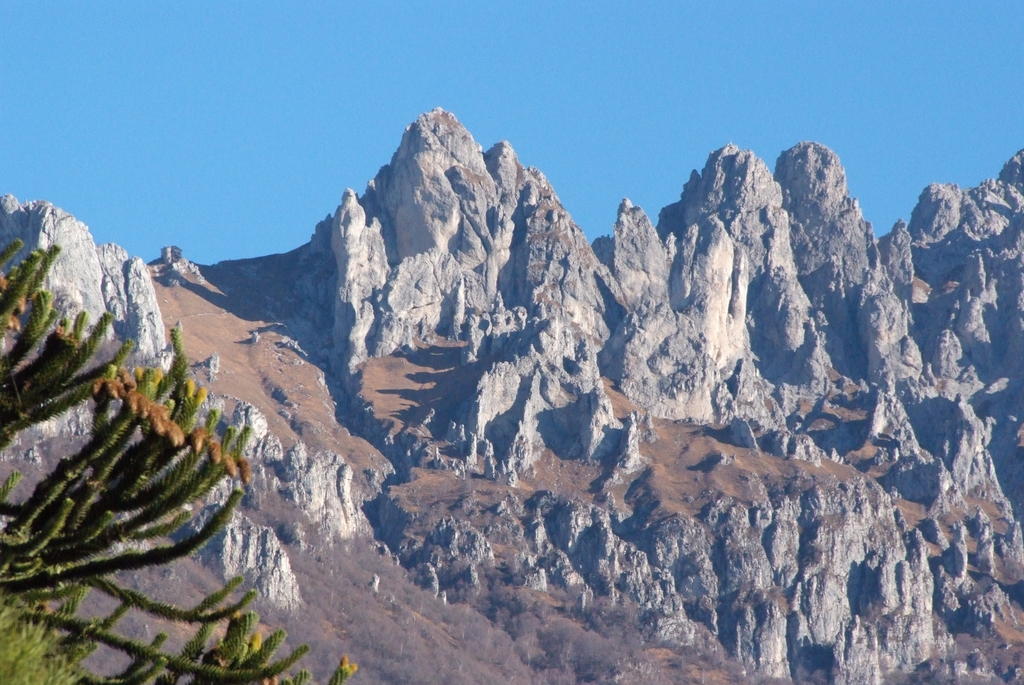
x=120, y=502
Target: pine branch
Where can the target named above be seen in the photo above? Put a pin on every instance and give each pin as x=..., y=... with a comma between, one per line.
x=137, y=600
x=175, y=664
x=136, y=480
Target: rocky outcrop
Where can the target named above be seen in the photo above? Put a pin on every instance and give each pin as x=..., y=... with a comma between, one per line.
x=315, y=487
x=826, y=223
x=246, y=548
x=636, y=256
x=803, y=583
x=451, y=241
x=733, y=316
x=320, y=486
x=469, y=230
x=735, y=203
x=86, y=277
x=128, y=294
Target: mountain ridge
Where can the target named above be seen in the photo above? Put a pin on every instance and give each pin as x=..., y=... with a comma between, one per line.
x=764, y=429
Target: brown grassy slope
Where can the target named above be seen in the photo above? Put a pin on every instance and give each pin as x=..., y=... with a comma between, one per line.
x=269, y=374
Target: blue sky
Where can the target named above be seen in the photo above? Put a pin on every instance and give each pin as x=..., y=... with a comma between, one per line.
x=231, y=128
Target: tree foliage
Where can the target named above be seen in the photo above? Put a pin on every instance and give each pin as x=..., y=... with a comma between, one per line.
x=29, y=653
x=122, y=501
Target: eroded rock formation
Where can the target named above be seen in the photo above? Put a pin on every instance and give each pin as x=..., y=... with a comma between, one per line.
x=762, y=427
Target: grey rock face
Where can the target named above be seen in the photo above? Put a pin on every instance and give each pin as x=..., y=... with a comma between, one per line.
x=836, y=256
x=779, y=583
x=419, y=195
x=129, y=296
x=461, y=229
x=76, y=275
x=451, y=241
x=547, y=394
x=360, y=261
x=737, y=195
x=1013, y=170
x=249, y=549
x=636, y=256
x=320, y=485
x=317, y=486
x=298, y=502
x=735, y=314
x=86, y=277
x=827, y=227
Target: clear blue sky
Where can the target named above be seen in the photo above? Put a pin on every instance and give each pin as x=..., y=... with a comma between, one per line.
x=231, y=128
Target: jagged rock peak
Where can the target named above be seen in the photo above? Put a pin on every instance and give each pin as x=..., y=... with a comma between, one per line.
x=734, y=178
x=811, y=176
x=1013, y=170
x=440, y=130
x=948, y=210
x=438, y=188
x=733, y=181
x=631, y=220
x=828, y=228
x=636, y=256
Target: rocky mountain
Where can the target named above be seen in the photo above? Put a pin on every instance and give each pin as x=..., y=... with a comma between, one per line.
x=748, y=441
x=88, y=277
